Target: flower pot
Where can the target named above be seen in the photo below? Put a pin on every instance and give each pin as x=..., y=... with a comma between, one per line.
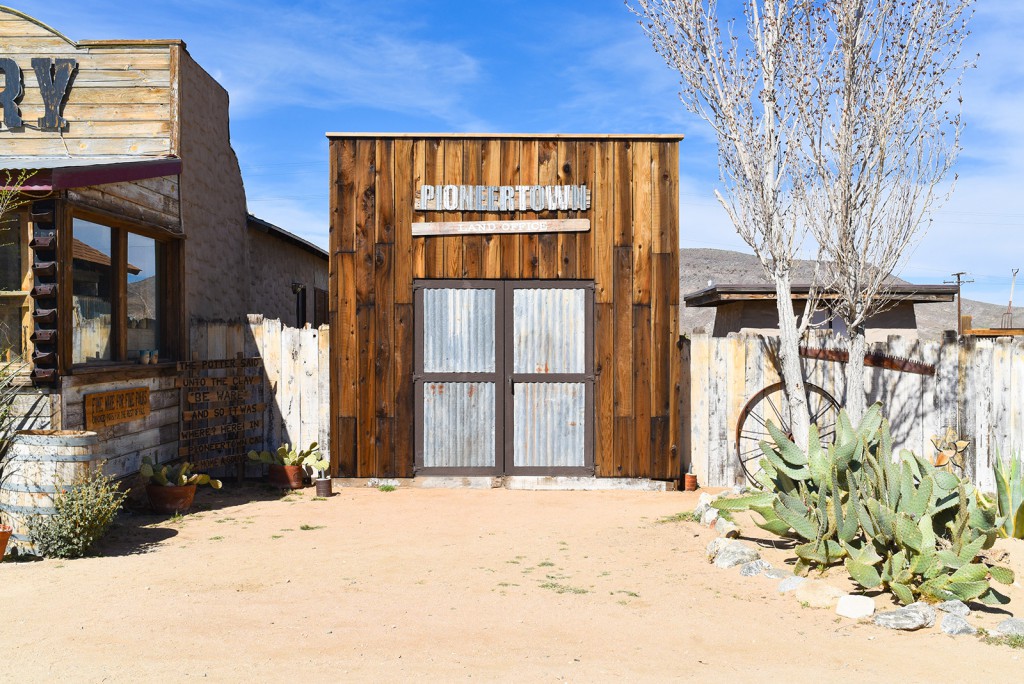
x=5, y=535
x=170, y=500
x=288, y=477
x=690, y=482
x=323, y=487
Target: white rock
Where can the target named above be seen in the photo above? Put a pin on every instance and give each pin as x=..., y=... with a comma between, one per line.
x=715, y=547
x=791, y=583
x=709, y=517
x=736, y=553
x=725, y=528
x=855, y=607
x=818, y=594
x=703, y=504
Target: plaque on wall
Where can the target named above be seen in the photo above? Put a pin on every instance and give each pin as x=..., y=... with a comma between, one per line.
x=103, y=409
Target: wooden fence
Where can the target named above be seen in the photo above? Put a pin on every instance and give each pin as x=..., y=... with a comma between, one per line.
x=978, y=385
x=295, y=362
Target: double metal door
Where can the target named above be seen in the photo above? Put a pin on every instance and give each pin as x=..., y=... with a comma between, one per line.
x=504, y=377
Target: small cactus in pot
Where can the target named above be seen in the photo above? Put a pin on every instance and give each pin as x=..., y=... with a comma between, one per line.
x=171, y=489
x=286, y=464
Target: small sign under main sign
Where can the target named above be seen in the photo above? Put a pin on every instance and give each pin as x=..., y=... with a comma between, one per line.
x=500, y=227
x=104, y=409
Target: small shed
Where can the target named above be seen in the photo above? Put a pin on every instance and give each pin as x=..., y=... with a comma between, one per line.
x=504, y=304
x=751, y=308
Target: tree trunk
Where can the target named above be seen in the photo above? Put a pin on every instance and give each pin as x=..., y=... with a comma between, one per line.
x=789, y=362
x=856, y=396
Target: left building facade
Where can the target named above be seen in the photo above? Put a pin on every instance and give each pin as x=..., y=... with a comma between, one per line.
x=134, y=227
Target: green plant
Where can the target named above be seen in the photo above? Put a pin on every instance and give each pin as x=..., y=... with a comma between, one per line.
x=286, y=455
x=1010, y=494
x=318, y=462
x=685, y=516
x=84, y=510
x=900, y=524
x=175, y=476
x=387, y=487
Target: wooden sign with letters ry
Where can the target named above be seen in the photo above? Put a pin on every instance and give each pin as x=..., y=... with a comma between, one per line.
x=104, y=409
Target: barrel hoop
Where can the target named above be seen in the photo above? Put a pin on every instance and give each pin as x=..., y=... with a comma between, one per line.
x=57, y=458
x=28, y=510
x=30, y=489
x=80, y=440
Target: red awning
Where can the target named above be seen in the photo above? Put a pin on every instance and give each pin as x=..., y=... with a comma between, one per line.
x=59, y=173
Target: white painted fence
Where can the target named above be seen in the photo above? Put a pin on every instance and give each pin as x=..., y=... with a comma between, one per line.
x=978, y=385
x=296, y=368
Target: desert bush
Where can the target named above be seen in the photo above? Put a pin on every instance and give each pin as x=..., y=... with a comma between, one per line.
x=84, y=510
x=899, y=524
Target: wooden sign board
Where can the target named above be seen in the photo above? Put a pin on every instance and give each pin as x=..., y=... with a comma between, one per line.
x=500, y=227
x=103, y=409
x=501, y=198
x=221, y=409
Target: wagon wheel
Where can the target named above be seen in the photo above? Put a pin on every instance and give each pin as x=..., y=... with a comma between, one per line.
x=770, y=404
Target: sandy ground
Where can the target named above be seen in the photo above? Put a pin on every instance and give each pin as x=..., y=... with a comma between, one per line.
x=443, y=585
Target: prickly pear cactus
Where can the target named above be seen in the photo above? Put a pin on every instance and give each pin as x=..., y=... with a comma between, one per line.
x=898, y=523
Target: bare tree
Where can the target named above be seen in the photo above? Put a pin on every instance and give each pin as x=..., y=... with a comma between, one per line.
x=876, y=79
x=743, y=88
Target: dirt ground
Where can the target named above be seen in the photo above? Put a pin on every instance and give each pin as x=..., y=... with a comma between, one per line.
x=444, y=585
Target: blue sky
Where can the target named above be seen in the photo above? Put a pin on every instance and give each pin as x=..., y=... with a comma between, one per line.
x=296, y=70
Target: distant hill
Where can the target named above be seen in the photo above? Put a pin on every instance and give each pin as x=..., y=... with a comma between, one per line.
x=722, y=267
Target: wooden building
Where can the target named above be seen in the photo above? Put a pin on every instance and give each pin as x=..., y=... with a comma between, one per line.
x=135, y=226
x=504, y=304
x=751, y=308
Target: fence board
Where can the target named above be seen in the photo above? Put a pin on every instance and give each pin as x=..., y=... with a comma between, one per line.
x=978, y=385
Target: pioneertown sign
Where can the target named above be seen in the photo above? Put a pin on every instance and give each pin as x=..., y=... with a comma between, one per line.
x=502, y=198
x=54, y=79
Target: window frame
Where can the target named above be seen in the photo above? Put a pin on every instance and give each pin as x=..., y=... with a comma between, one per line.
x=24, y=294
x=170, y=332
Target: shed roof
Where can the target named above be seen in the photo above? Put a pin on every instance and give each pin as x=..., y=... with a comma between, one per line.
x=281, y=233
x=717, y=295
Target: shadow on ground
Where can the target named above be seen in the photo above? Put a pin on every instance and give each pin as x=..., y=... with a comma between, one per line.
x=138, y=530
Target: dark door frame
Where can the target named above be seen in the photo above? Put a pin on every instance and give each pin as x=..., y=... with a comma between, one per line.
x=503, y=377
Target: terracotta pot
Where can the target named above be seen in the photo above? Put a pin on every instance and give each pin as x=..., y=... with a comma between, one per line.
x=690, y=482
x=5, y=535
x=288, y=477
x=323, y=487
x=170, y=500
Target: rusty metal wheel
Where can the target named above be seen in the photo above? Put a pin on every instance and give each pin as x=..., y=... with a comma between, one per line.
x=770, y=404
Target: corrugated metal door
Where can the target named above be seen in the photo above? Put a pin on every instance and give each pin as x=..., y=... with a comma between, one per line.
x=549, y=357
x=459, y=361
x=504, y=377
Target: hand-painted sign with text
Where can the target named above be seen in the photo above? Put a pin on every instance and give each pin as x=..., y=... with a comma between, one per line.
x=103, y=409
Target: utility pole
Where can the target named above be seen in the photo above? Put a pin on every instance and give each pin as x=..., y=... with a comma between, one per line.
x=959, y=314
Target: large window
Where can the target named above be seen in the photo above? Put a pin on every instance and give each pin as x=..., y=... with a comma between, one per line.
x=14, y=285
x=118, y=294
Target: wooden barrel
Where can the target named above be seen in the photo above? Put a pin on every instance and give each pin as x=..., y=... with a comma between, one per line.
x=38, y=462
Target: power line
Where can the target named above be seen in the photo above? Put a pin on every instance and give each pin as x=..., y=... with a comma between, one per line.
x=958, y=282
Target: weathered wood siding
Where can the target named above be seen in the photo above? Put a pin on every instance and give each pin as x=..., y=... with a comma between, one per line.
x=155, y=201
x=124, y=445
x=120, y=100
x=982, y=380
x=630, y=252
x=295, y=363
